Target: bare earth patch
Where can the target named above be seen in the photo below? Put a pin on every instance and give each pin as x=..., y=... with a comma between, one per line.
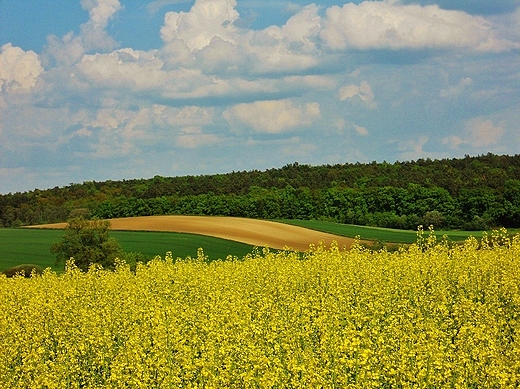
x=259, y=233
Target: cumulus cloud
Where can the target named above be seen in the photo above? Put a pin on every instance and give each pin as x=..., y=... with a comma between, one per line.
x=291, y=47
x=100, y=11
x=204, y=46
x=125, y=68
x=19, y=69
x=128, y=69
x=134, y=70
x=116, y=132
x=481, y=132
x=95, y=100
x=390, y=25
x=363, y=91
x=477, y=133
x=207, y=35
x=69, y=49
x=133, y=122
x=273, y=116
x=302, y=28
x=206, y=20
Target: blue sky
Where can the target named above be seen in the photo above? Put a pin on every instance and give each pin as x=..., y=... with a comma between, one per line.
x=114, y=89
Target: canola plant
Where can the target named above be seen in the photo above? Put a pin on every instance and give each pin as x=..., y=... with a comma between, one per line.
x=430, y=315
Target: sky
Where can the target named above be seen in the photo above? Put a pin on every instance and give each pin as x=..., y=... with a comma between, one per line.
x=95, y=90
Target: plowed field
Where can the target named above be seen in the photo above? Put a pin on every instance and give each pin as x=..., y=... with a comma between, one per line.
x=259, y=233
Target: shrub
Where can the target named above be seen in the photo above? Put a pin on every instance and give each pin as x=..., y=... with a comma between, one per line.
x=26, y=270
x=88, y=242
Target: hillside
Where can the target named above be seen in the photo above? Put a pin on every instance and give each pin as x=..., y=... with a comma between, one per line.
x=259, y=233
x=469, y=193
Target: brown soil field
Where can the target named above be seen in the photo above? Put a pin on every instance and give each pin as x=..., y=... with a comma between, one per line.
x=259, y=233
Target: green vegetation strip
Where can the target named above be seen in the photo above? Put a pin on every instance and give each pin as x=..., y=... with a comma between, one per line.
x=388, y=235
x=20, y=246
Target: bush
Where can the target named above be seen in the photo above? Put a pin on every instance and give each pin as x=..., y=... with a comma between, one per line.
x=476, y=224
x=26, y=270
x=87, y=241
x=133, y=258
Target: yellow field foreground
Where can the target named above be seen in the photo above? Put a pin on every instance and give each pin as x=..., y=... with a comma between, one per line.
x=427, y=316
x=259, y=233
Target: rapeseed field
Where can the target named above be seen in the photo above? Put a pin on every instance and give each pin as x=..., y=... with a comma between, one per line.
x=430, y=315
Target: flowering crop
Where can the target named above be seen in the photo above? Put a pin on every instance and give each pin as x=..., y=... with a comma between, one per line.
x=427, y=316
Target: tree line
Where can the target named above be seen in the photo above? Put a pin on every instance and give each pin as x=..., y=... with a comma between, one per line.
x=474, y=192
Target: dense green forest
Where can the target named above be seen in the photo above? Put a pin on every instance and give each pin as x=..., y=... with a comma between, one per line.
x=475, y=193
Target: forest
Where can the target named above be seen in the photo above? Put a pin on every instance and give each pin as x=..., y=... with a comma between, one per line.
x=470, y=193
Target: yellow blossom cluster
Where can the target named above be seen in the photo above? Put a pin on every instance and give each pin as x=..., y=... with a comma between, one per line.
x=427, y=316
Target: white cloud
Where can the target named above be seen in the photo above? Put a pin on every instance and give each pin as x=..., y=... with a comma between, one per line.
x=267, y=54
x=100, y=11
x=412, y=149
x=348, y=92
x=478, y=133
x=212, y=74
x=483, y=132
x=311, y=81
x=193, y=137
x=63, y=51
x=291, y=47
x=361, y=131
x=206, y=20
x=507, y=26
x=207, y=34
x=389, y=24
x=156, y=5
x=136, y=124
x=456, y=90
x=301, y=28
x=70, y=48
x=220, y=56
x=135, y=70
x=139, y=71
x=182, y=117
x=19, y=69
x=363, y=91
x=297, y=148
x=26, y=126
x=116, y=132
x=273, y=116
x=125, y=68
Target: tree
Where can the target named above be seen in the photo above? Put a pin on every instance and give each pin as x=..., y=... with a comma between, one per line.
x=434, y=218
x=87, y=241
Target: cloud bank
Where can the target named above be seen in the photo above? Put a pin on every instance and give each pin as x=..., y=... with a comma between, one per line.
x=340, y=81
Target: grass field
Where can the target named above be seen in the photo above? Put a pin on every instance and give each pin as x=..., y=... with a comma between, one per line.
x=19, y=246
x=379, y=234
x=32, y=246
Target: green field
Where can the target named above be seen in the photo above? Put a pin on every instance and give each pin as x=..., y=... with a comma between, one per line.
x=32, y=246
x=379, y=234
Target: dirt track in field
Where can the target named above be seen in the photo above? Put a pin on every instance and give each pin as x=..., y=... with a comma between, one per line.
x=259, y=233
